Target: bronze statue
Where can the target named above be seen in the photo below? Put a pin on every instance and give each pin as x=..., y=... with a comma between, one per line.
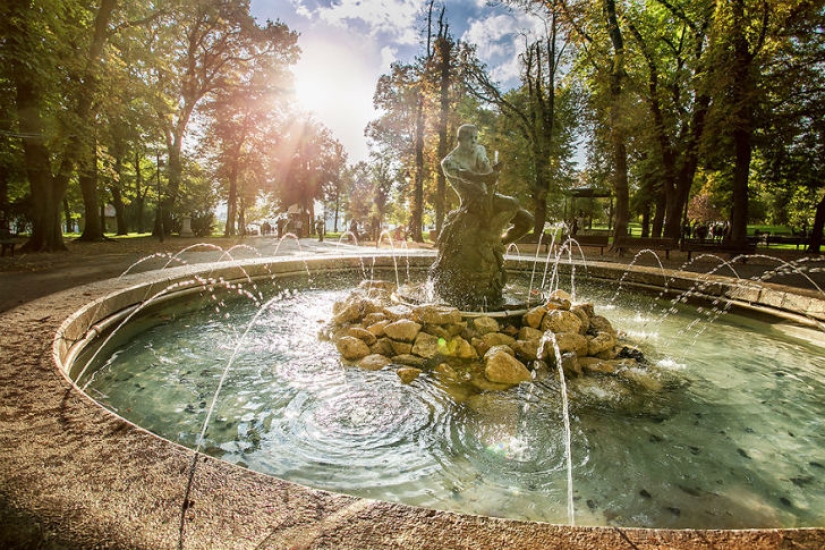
x=469, y=270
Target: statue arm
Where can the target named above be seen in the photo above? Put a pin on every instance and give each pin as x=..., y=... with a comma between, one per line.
x=478, y=175
x=463, y=179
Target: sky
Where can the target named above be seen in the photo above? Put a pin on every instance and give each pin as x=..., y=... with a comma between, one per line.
x=348, y=44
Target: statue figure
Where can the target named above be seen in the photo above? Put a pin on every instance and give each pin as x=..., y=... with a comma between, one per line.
x=469, y=269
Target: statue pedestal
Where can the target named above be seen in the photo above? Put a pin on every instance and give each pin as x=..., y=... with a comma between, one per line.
x=469, y=269
x=186, y=228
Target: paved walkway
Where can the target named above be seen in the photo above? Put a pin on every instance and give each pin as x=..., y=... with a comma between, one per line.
x=26, y=277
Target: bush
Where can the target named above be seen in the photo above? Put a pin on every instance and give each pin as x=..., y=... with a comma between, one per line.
x=203, y=223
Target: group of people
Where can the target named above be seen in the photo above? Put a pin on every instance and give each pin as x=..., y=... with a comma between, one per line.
x=715, y=231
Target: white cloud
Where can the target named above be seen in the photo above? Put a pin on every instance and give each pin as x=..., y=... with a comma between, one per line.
x=348, y=44
x=335, y=79
x=500, y=39
x=392, y=18
x=388, y=56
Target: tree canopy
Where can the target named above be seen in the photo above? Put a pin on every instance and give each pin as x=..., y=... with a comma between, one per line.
x=165, y=109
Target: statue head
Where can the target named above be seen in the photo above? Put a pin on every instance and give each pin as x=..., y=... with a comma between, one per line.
x=467, y=135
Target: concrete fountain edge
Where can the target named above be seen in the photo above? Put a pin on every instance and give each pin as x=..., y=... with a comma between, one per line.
x=74, y=475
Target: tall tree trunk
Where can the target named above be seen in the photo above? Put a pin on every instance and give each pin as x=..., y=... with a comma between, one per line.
x=417, y=207
x=546, y=103
x=742, y=113
x=666, y=152
x=231, y=206
x=443, y=145
x=48, y=189
x=444, y=46
x=686, y=171
x=337, y=210
x=117, y=198
x=87, y=178
x=67, y=216
x=120, y=211
x=617, y=138
x=174, y=170
x=819, y=225
x=139, y=195
x=646, y=221
x=657, y=223
x=4, y=172
x=540, y=190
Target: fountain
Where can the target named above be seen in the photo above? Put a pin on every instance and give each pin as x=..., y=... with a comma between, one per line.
x=221, y=409
x=469, y=269
x=131, y=482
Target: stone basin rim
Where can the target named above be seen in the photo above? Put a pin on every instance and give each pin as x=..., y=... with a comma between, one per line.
x=153, y=468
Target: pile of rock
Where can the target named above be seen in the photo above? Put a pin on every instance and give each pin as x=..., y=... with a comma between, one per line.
x=369, y=329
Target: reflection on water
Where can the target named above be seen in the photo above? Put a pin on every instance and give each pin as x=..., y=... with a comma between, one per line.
x=728, y=434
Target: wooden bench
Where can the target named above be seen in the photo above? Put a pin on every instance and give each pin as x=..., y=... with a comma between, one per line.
x=595, y=241
x=694, y=245
x=786, y=239
x=641, y=243
x=7, y=242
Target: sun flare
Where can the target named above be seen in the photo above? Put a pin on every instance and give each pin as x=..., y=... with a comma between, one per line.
x=335, y=84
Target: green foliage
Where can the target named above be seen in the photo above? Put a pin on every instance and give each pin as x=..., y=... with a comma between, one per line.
x=203, y=223
x=124, y=81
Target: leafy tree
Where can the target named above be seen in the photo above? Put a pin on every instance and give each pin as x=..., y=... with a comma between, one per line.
x=536, y=124
x=335, y=188
x=395, y=134
x=206, y=45
x=596, y=31
x=54, y=93
x=672, y=40
x=126, y=125
x=308, y=160
x=418, y=101
x=244, y=123
x=791, y=141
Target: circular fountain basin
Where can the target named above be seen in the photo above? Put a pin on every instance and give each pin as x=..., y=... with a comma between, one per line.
x=80, y=475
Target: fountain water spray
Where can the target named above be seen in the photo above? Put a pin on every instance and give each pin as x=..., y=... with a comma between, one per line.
x=549, y=337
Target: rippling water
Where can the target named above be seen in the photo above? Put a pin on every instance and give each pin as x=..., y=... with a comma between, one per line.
x=728, y=434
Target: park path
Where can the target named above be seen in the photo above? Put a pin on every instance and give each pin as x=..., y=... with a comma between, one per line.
x=26, y=277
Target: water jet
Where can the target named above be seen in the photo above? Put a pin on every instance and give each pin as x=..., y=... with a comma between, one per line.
x=106, y=454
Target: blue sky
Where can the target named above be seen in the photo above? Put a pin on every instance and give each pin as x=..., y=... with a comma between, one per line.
x=348, y=44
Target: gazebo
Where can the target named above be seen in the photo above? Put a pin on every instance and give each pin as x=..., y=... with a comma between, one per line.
x=591, y=194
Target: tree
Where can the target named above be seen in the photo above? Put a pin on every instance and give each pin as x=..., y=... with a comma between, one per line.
x=308, y=160
x=443, y=71
x=418, y=101
x=335, y=188
x=742, y=40
x=791, y=140
x=533, y=109
x=244, y=122
x=206, y=44
x=394, y=133
x=54, y=93
x=672, y=40
x=600, y=39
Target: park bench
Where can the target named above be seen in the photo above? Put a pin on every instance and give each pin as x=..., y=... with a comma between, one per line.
x=786, y=239
x=7, y=242
x=595, y=241
x=695, y=245
x=640, y=243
